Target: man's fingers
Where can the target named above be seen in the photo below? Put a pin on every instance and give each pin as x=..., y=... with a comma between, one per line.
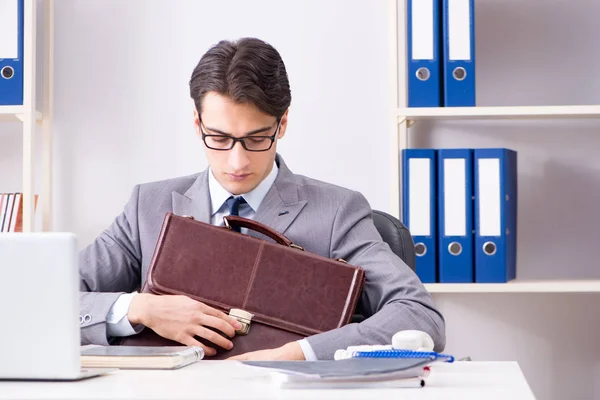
x=212, y=337
x=239, y=357
x=221, y=315
x=217, y=323
x=190, y=341
x=259, y=355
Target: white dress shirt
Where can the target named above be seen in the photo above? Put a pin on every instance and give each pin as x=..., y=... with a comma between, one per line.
x=117, y=322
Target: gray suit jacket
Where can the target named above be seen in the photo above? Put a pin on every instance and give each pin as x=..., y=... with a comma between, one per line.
x=324, y=219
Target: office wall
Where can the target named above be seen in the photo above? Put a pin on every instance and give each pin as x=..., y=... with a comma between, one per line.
x=123, y=116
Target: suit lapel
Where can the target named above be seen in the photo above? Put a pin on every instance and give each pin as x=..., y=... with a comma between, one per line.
x=281, y=205
x=279, y=208
x=195, y=201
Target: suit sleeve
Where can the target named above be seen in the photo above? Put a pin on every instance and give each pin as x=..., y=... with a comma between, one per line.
x=393, y=297
x=109, y=267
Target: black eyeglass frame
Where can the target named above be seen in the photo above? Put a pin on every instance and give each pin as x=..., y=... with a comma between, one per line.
x=241, y=139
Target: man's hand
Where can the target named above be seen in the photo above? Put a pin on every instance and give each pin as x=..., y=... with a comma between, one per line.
x=289, y=351
x=180, y=318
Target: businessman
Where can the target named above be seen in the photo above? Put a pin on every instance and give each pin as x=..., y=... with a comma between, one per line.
x=241, y=94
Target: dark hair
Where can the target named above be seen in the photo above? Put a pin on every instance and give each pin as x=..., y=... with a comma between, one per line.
x=246, y=70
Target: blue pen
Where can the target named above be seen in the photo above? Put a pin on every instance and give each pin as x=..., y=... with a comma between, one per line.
x=402, y=354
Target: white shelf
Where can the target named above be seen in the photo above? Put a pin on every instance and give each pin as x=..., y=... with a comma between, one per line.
x=15, y=113
x=29, y=115
x=519, y=112
x=548, y=286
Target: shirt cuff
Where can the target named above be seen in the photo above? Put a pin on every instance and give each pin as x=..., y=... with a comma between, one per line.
x=117, y=323
x=308, y=351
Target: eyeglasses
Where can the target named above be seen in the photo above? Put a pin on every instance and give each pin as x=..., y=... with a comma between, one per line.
x=249, y=143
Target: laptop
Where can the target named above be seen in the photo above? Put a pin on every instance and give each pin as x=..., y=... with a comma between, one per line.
x=39, y=308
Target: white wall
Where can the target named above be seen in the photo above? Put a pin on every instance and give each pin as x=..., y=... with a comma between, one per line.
x=123, y=112
x=123, y=116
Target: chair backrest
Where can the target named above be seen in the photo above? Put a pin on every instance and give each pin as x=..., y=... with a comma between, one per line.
x=396, y=235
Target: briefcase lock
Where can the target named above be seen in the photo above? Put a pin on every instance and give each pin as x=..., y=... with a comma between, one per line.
x=244, y=317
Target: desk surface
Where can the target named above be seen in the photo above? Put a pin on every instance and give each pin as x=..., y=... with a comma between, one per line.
x=232, y=380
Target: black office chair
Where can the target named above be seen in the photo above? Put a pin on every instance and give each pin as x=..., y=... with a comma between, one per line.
x=396, y=235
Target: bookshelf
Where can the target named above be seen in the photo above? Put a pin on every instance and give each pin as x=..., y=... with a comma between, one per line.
x=516, y=286
x=523, y=112
x=31, y=117
x=16, y=114
x=402, y=118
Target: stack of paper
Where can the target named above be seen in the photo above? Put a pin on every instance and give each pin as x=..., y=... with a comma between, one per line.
x=350, y=373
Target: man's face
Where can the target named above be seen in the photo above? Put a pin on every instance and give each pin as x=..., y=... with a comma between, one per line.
x=238, y=170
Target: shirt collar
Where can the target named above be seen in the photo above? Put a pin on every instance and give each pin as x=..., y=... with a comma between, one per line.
x=218, y=194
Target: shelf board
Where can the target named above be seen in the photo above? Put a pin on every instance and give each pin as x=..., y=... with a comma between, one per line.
x=518, y=112
x=516, y=286
x=15, y=113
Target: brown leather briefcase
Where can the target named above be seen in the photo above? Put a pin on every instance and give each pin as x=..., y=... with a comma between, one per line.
x=278, y=291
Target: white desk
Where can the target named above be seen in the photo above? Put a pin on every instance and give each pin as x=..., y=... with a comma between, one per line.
x=226, y=380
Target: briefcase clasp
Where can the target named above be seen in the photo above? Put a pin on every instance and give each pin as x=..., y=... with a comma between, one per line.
x=244, y=317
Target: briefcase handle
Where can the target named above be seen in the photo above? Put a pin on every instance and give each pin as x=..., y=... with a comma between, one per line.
x=232, y=221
